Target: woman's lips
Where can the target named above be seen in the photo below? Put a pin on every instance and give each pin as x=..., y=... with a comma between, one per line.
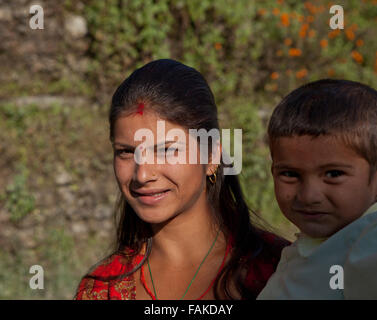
x=150, y=197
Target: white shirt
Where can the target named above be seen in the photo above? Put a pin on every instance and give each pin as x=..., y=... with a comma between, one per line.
x=304, y=268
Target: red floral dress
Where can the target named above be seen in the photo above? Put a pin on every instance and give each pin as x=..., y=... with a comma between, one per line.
x=91, y=288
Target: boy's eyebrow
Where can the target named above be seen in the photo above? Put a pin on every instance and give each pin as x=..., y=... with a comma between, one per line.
x=283, y=166
x=334, y=164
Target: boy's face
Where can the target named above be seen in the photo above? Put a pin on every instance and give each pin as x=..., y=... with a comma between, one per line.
x=321, y=185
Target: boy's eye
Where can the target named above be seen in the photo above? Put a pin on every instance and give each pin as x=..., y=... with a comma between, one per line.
x=334, y=173
x=288, y=174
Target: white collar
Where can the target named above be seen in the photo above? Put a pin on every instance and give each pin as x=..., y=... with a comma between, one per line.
x=306, y=244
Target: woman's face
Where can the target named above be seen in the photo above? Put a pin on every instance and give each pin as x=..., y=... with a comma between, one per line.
x=159, y=191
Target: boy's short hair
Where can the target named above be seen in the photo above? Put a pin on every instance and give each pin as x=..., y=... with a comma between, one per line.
x=342, y=108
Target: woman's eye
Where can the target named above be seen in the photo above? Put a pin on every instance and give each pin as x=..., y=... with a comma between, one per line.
x=123, y=152
x=171, y=151
x=167, y=151
x=334, y=173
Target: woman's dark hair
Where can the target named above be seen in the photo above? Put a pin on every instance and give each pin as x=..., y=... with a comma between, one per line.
x=181, y=95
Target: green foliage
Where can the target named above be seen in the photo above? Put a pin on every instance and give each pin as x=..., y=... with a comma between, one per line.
x=237, y=45
x=252, y=53
x=64, y=263
x=16, y=117
x=18, y=200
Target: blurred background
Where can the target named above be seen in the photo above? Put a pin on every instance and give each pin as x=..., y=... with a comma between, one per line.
x=57, y=187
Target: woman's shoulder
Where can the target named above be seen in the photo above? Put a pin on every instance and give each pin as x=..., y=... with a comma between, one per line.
x=264, y=264
x=106, y=279
x=273, y=242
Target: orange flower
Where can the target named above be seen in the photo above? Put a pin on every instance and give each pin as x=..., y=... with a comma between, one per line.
x=333, y=34
x=218, y=45
x=353, y=26
x=350, y=34
x=274, y=75
x=262, y=12
x=274, y=87
x=331, y=72
x=357, y=56
x=310, y=7
x=311, y=33
x=302, y=73
x=288, y=41
x=359, y=42
x=321, y=8
x=284, y=18
x=294, y=52
x=280, y=1
x=303, y=30
x=276, y=11
x=323, y=43
x=309, y=19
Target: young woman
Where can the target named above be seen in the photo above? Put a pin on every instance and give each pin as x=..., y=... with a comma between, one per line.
x=184, y=230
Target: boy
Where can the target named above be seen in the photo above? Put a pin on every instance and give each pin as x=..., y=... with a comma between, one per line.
x=323, y=143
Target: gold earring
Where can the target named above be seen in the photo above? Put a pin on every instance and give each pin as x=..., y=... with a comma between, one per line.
x=212, y=178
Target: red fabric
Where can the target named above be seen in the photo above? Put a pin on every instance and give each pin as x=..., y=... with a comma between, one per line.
x=264, y=265
x=92, y=288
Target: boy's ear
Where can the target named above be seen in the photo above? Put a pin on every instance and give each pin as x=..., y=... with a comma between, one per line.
x=373, y=182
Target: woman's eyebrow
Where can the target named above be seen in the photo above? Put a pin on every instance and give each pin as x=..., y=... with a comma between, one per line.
x=155, y=146
x=123, y=145
x=167, y=142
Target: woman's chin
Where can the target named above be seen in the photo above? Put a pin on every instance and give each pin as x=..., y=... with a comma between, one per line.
x=154, y=218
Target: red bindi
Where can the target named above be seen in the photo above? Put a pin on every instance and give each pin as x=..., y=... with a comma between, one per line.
x=140, y=108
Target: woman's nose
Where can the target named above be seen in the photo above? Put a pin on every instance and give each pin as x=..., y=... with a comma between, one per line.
x=144, y=173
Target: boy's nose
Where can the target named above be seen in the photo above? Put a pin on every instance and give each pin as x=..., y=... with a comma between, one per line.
x=309, y=193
